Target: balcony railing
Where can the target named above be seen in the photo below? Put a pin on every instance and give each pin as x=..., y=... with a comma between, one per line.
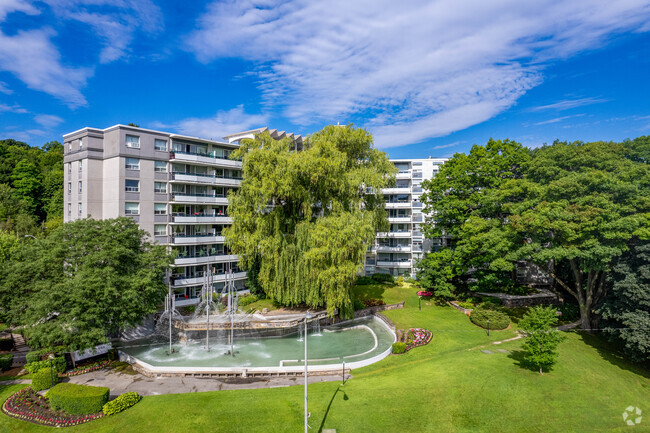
x=173, y=153
x=211, y=176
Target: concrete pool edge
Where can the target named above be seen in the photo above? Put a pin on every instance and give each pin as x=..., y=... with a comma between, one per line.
x=149, y=370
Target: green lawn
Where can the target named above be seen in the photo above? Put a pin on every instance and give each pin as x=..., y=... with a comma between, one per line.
x=447, y=386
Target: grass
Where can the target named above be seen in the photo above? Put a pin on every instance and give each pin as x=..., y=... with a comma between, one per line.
x=446, y=386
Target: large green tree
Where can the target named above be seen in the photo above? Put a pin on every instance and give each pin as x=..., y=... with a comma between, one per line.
x=305, y=218
x=82, y=282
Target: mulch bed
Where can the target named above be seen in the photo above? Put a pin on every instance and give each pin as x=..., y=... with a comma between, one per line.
x=28, y=405
x=418, y=336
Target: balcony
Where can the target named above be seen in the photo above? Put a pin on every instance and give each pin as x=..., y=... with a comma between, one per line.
x=404, y=234
x=400, y=219
x=402, y=264
x=417, y=234
x=396, y=190
x=200, y=219
x=403, y=175
x=182, y=239
x=398, y=205
x=394, y=249
x=204, y=179
x=198, y=198
x=204, y=159
x=181, y=280
x=200, y=260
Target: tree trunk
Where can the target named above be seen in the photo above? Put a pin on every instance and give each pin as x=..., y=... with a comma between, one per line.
x=541, y=371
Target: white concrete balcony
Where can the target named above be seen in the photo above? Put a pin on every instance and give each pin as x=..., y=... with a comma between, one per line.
x=198, y=198
x=224, y=258
x=401, y=205
x=404, y=190
x=403, y=175
x=201, y=219
x=397, y=249
x=397, y=264
x=197, y=239
x=204, y=179
x=406, y=234
x=203, y=159
x=193, y=281
x=402, y=219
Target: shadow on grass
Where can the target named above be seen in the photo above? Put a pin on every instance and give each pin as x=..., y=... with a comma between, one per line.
x=613, y=353
x=369, y=291
x=519, y=356
x=329, y=405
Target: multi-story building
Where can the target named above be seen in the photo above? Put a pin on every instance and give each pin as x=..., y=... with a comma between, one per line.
x=396, y=251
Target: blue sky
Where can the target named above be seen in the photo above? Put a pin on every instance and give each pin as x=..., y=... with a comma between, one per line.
x=427, y=78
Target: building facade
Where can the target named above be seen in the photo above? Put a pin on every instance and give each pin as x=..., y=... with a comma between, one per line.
x=397, y=251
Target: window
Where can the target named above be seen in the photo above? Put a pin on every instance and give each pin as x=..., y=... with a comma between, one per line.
x=131, y=208
x=160, y=145
x=160, y=166
x=80, y=187
x=81, y=144
x=132, y=185
x=160, y=209
x=69, y=187
x=70, y=146
x=69, y=168
x=80, y=208
x=133, y=141
x=133, y=163
x=159, y=229
x=160, y=187
x=69, y=209
x=81, y=165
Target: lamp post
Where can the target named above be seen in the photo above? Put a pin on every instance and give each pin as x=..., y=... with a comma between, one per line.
x=307, y=317
x=488, y=323
x=51, y=357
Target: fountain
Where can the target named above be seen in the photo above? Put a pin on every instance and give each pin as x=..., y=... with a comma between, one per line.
x=316, y=328
x=167, y=318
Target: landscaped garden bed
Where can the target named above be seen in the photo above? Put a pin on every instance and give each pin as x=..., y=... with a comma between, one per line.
x=87, y=368
x=27, y=405
x=407, y=340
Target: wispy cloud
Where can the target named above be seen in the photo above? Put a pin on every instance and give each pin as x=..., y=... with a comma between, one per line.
x=12, y=109
x=412, y=72
x=5, y=89
x=444, y=146
x=221, y=124
x=48, y=120
x=9, y=6
x=557, y=119
x=570, y=103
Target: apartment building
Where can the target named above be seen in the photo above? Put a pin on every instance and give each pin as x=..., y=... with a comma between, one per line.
x=397, y=251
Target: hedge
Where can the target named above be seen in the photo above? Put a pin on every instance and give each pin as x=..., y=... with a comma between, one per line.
x=78, y=399
x=383, y=278
x=59, y=364
x=399, y=347
x=121, y=403
x=43, y=378
x=6, y=344
x=498, y=320
x=5, y=361
x=247, y=300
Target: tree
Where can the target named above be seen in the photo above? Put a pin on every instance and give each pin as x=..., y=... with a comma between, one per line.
x=307, y=217
x=626, y=309
x=542, y=339
x=84, y=281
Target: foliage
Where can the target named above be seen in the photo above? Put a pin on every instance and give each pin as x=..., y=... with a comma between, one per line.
x=6, y=359
x=466, y=305
x=85, y=280
x=358, y=304
x=489, y=302
x=399, y=347
x=247, y=300
x=122, y=402
x=383, y=278
x=44, y=378
x=436, y=273
x=626, y=311
x=58, y=364
x=373, y=302
x=365, y=281
x=497, y=319
x=569, y=312
x=307, y=217
x=78, y=399
x=542, y=339
x=6, y=344
x=400, y=281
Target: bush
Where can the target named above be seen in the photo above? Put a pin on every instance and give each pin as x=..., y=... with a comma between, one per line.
x=400, y=281
x=383, y=278
x=488, y=302
x=121, y=403
x=6, y=344
x=42, y=379
x=365, y=281
x=34, y=356
x=78, y=399
x=497, y=319
x=247, y=300
x=5, y=361
x=399, y=347
x=466, y=305
x=373, y=302
x=358, y=304
x=59, y=364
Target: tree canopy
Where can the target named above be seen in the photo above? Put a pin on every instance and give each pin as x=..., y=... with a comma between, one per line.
x=306, y=218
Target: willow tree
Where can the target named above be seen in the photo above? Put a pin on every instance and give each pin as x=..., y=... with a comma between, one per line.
x=303, y=220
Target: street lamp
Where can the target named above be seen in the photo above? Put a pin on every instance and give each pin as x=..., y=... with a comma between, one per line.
x=51, y=357
x=488, y=323
x=307, y=317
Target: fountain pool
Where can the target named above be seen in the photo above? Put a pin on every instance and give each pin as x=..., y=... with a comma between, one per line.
x=357, y=342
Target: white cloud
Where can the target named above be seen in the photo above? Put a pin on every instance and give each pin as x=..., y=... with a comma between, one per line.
x=9, y=6
x=5, y=89
x=412, y=70
x=557, y=119
x=221, y=124
x=570, y=103
x=444, y=146
x=48, y=120
x=12, y=109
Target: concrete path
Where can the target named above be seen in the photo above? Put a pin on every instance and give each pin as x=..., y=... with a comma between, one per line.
x=569, y=326
x=120, y=383
x=15, y=382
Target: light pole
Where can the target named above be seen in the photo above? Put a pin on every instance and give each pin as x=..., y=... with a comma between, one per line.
x=307, y=317
x=488, y=322
x=51, y=357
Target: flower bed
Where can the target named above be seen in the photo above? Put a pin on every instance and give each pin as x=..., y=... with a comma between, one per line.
x=425, y=294
x=414, y=337
x=27, y=405
x=87, y=368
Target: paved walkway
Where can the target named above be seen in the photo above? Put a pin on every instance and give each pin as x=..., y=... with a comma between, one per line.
x=120, y=383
